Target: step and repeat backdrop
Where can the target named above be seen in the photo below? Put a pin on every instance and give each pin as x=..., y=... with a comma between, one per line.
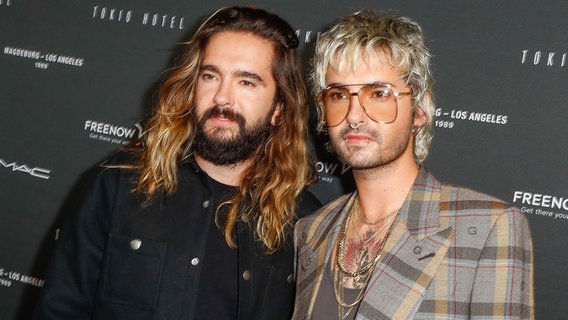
x=78, y=78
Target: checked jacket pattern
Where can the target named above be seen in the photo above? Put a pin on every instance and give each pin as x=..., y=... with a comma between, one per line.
x=453, y=253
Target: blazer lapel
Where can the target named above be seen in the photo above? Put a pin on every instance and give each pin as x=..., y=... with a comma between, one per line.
x=414, y=250
x=321, y=236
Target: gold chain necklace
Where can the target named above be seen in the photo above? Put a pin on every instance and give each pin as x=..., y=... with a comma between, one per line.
x=370, y=237
x=364, y=221
x=342, y=242
x=362, y=271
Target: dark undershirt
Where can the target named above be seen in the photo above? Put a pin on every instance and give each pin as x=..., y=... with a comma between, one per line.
x=325, y=307
x=217, y=296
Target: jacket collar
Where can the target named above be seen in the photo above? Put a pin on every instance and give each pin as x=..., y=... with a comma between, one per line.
x=421, y=208
x=419, y=211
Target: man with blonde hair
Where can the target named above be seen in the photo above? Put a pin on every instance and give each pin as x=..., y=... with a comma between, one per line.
x=402, y=245
x=195, y=221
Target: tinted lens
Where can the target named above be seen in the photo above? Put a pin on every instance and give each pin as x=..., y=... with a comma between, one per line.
x=378, y=102
x=336, y=102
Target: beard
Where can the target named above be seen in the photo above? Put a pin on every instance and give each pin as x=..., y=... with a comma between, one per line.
x=221, y=147
x=382, y=155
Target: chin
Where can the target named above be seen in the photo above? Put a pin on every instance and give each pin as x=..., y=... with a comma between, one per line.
x=222, y=134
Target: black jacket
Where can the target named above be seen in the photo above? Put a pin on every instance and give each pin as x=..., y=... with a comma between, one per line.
x=118, y=259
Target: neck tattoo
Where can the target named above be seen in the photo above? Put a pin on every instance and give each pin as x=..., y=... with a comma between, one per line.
x=356, y=256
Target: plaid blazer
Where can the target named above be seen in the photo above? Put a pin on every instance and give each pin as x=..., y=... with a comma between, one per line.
x=453, y=253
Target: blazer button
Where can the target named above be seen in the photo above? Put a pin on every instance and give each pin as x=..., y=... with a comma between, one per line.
x=194, y=261
x=135, y=244
x=205, y=204
x=290, y=279
x=246, y=275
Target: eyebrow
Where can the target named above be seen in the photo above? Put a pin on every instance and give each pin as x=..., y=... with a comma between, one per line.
x=237, y=73
x=246, y=74
x=378, y=82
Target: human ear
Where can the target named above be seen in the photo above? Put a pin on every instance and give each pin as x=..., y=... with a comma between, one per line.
x=420, y=117
x=276, y=114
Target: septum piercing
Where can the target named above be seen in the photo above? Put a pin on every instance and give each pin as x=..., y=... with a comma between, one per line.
x=355, y=126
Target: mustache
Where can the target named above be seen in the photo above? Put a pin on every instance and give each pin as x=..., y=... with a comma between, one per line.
x=218, y=111
x=345, y=131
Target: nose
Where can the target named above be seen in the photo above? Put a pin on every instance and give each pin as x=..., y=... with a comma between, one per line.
x=224, y=94
x=356, y=112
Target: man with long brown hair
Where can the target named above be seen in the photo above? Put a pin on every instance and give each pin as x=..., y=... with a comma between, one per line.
x=195, y=220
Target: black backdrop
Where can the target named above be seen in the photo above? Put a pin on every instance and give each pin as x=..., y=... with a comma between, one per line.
x=77, y=79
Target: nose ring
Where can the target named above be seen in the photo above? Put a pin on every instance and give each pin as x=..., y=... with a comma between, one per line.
x=355, y=126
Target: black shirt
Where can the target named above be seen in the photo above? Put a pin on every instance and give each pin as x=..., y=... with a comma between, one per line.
x=217, y=296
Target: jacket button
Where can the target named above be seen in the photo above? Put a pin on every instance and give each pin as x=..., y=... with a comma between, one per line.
x=194, y=261
x=135, y=244
x=205, y=204
x=290, y=279
x=246, y=275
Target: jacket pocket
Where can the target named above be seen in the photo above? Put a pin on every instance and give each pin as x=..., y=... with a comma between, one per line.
x=132, y=271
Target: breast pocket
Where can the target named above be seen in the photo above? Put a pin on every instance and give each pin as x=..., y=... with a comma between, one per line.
x=132, y=271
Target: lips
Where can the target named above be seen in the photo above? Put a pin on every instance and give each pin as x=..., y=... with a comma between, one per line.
x=357, y=138
x=223, y=118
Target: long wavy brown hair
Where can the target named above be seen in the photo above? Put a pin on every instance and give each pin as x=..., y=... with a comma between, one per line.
x=281, y=169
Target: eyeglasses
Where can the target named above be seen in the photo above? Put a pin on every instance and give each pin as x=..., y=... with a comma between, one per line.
x=378, y=101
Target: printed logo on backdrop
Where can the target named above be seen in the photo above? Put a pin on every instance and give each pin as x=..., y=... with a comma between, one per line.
x=43, y=60
x=19, y=168
x=544, y=58
x=111, y=133
x=5, y=3
x=130, y=16
x=329, y=171
x=544, y=205
x=307, y=36
x=448, y=118
x=163, y=20
x=9, y=277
